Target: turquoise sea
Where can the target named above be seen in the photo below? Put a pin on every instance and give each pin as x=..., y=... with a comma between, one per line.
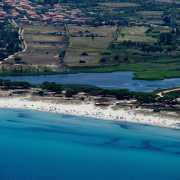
x=43, y=146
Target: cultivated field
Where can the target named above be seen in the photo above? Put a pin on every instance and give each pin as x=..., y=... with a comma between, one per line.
x=169, y=1
x=86, y=48
x=156, y=30
x=118, y=4
x=150, y=14
x=135, y=34
x=43, y=44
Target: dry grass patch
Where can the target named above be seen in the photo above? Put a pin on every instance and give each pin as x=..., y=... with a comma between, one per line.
x=135, y=34
x=86, y=51
x=43, y=44
x=119, y=4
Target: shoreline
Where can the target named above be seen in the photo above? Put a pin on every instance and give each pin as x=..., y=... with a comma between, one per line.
x=88, y=109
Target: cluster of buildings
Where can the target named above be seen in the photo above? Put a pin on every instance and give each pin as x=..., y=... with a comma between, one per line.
x=3, y=14
x=16, y=9
x=25, y=11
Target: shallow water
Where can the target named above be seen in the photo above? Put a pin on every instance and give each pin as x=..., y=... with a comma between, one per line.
x=113, y=80
x=37, y=145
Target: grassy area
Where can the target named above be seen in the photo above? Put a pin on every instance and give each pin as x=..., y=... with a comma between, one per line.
x=156, y=30
x=86, y=44
x=119, y=4
x=43, y=38
x=174, y=94
x=150, y=14
x=135, y=34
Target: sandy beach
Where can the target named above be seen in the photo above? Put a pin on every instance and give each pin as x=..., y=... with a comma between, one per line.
x=90, y=110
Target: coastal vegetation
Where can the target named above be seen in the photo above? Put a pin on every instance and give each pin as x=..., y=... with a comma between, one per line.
x=7, y=84
x=69, y=90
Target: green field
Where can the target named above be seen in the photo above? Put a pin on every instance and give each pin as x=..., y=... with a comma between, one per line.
x=143, y=71
x=135, y=34
x=86, y=51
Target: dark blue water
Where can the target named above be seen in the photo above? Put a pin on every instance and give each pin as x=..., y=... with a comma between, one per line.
x=113, y=80
x=44, y=146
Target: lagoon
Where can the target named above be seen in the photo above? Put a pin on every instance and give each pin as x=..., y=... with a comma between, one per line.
x=39, y=145
x=114, y=80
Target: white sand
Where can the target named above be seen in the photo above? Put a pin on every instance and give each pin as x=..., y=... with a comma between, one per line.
x=90, y=110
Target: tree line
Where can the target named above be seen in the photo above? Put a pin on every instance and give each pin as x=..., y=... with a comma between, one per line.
x=73, y=89
x=9, y=40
